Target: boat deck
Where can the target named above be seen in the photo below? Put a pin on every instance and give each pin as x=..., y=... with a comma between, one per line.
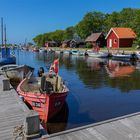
x=31, y=85
x=12, y=112
x=34, y=84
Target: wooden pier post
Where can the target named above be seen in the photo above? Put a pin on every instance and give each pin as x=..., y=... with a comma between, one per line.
x=32, y=125
x=6, y=84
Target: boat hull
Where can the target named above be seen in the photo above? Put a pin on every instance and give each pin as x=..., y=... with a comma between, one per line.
x=47, y=105
x=98, y=55
x=8, y=60
x=78, y=53
x=121, y=57
x=15, y=73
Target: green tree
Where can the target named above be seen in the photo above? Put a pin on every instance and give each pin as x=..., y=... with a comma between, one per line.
x=68, y=33
x=112, y=20
x=95, y=22
x=92, y=22
x=127, y=17
x=39, y=40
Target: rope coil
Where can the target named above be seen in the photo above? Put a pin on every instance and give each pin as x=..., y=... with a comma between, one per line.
x=18, y=133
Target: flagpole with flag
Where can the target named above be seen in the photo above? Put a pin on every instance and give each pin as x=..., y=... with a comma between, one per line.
x=55, y=66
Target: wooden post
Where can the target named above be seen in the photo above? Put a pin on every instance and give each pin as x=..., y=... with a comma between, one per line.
x=32, y=125
x=6, y=84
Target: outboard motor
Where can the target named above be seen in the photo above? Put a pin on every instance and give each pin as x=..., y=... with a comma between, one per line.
x=49, y=87
x=133, y=57
x=43, y=83
x=40, y=71
x=86, y=53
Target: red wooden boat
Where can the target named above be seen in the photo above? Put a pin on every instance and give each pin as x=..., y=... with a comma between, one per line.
x=45, y=94
x=35, y=50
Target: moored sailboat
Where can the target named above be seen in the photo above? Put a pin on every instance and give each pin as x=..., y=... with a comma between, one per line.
x=6, y=56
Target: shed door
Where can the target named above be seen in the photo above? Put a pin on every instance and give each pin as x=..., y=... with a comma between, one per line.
x=110, y=43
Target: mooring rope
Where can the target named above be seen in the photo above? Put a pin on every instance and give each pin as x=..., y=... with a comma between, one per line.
x=18, y=133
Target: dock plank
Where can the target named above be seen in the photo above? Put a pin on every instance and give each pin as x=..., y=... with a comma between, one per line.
x=110, y=132
x=12, y=112
x=121, y=128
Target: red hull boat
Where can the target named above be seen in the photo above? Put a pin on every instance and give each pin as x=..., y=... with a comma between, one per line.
x=35, y=50
x=46, y=95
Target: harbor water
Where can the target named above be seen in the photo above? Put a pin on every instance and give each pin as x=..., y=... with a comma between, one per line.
x=98, y=88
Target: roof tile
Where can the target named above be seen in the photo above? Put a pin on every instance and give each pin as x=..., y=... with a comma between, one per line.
x=93, y=37
x=124, y=32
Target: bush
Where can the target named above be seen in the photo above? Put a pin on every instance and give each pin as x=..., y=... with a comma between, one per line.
x=89, y=45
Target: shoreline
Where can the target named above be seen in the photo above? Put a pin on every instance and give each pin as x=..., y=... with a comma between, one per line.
x=125, y=50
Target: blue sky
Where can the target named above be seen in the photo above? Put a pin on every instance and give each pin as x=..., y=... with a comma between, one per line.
x=28, y=18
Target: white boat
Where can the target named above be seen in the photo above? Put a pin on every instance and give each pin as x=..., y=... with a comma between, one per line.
x=58, y=51
x=15, y=73
x=121, y=56
x=137, y=54
x=96, y=54
x=66, y=52
x=77, y=52
x=42, y=50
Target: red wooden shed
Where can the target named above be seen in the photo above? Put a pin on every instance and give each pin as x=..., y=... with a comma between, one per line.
x=119, y=37
x=96, y=39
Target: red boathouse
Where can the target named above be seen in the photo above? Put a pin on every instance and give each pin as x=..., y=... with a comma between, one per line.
x=119, y=37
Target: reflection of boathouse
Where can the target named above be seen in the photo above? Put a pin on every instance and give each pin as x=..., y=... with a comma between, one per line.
x=119, y=69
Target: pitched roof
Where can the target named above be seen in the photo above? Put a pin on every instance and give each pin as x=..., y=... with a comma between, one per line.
x=122, y=32
x=93, y=37
x=66, y=41
x=77, y=40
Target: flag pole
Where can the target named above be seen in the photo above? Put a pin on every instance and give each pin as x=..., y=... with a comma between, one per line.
x=1, y=32
x=5, y=39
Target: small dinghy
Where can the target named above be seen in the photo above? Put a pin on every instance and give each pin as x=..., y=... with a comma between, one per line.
x=92, y=53
x=77, y=52
x=15, y=73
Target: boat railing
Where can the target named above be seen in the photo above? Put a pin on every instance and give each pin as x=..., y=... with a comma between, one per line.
x=29, y=74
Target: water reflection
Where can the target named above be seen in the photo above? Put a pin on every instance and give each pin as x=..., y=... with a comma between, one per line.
x=96, y=63
x=100, y=89
x=93, y=72
x=119, y=69
x=59, y=121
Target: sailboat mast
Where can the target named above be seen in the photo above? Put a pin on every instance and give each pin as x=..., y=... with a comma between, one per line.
x=2, y=32
x=25, y=45
x=5, y=39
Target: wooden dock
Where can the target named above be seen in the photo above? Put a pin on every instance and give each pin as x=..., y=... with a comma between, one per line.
x=12, y=112
x=122, y=128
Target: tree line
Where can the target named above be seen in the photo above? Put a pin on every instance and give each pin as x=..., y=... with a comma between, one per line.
x=94, y=22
